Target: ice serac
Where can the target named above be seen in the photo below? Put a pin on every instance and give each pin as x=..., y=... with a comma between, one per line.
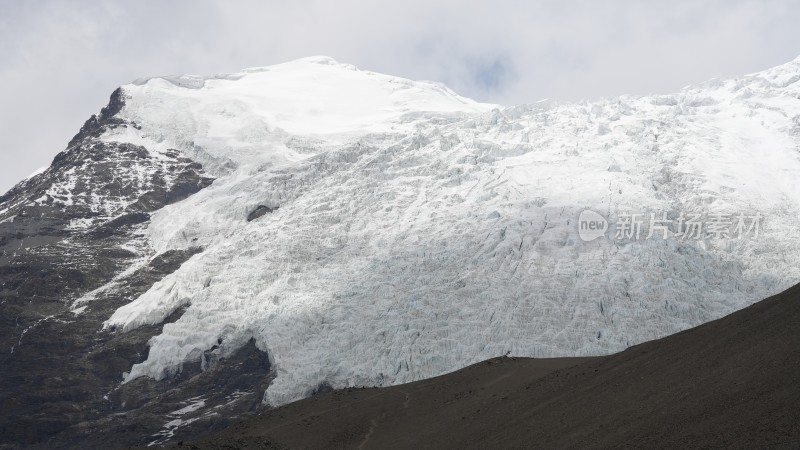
x=413, y=232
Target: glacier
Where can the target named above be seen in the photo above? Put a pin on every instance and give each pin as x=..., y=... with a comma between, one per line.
x=418, y=231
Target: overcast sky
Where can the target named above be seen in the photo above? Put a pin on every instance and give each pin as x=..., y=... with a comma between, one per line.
x=60, y=60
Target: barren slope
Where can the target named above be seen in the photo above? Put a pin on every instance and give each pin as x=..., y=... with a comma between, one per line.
x=731, y=383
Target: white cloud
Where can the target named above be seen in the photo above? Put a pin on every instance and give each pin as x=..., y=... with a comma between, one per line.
x=59, y=61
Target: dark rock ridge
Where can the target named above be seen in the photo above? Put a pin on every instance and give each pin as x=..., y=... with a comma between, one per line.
x=94, y=126
x=64, y=233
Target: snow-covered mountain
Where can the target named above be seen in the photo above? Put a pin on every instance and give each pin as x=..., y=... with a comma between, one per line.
x=363, y=229
x=418, y=232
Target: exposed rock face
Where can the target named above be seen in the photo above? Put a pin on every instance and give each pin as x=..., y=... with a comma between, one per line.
x=64, y=233
x=260, y=211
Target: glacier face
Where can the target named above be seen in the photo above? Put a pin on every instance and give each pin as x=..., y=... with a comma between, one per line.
x=418, y=231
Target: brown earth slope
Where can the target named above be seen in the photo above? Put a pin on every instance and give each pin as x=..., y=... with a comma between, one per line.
x=731, y=383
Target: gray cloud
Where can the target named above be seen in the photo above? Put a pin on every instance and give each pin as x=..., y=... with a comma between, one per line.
x=59, y=61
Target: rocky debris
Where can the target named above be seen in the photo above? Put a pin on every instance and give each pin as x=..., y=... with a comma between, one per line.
x=260, y=211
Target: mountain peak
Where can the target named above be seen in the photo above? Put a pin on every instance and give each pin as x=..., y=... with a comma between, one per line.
x=321, y=60
x=236, y=117
x=318, y=59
